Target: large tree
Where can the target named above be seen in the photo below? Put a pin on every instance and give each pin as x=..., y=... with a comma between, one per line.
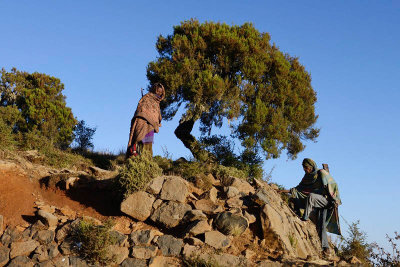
x=222, y=72
x=40, y=103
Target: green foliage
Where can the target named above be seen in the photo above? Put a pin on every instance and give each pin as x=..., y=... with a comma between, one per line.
x=221, y=72
x=385, y=258
x=7, y=140
x=223, y=172
x=355, y=244
x=38, y=104
x=137, y=173
x=83, y=136
x=94, y=241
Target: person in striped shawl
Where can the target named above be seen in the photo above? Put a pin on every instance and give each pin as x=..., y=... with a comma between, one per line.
x=318, y=192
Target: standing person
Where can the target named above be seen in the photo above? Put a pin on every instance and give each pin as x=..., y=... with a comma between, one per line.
x=145, y=122
x=318, y=191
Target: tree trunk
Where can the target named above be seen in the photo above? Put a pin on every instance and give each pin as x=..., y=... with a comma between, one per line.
x=183, y=133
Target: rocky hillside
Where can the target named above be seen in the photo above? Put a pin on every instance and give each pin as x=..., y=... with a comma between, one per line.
x=171, y=223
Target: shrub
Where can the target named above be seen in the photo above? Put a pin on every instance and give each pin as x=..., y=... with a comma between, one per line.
x=7, y=140
x=137, y=173
x=355, y=244
x=222, y=172
x=196, y=261
x=385, y=258
x=94, y=241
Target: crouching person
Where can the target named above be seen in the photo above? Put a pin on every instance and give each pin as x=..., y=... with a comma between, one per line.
x=317, y=192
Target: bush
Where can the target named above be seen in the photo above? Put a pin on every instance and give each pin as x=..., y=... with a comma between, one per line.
x=355, y=245
x=7, y=140
x=385, y=258
x=198, y=262
x=94, y=241
x=137, y=173
x=222, y=172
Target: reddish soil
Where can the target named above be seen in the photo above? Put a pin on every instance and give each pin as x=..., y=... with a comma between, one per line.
x=18, y=195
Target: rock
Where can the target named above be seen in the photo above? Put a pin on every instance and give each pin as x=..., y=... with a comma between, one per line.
x=231, y=191
x=144, y=252
x=67, y=246
x=61, y=261
x=47, y=208
x=47, y=218
x=207, y=206
x=157, y=203
x=41, y=254
x=77, y=262
x=138, y=205
x=23, y=248
x=161, y=261
x=234, y=202
x=198, y=227
x=225, y=260
x=194, y=215
x=143, y=237
x=169, y=245
x=240, y=184
x=174, y=188
x=170, y=213
x=44, y=236
x=248, y=254
x=10, y=235
x=189, y=250
x=268, y=263
x=1, y=224
x=250, y=217
x=66, y=211
x=53, y=250
x=217, y=240
x=230, y=224
x=195, y=241
x=129, y=262
x=261, y=196
x=155, y=185
x=63, y=232
x=120, y=239
x=4, y=255
x=21, y=261
x=212, y=194
x=118, y=254
x=33, y=229
x=96, y=171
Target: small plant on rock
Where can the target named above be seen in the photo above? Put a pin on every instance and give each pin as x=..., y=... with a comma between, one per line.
x=137, y=173
x=94, y=241
x=385, y=258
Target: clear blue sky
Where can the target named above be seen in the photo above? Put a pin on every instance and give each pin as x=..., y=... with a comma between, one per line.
x=100, y=50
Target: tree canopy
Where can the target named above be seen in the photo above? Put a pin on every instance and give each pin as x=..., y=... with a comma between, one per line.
x=37, y=104
x=221, y=72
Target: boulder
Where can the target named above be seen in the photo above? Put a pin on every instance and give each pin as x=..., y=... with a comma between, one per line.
x=23, y=248
x=41, y=254
x=234, y=202
x=198, y=227
x=242, y=185
x=138, y=205
x=77, y=261
x=231, y=191
x=224, y=259
x=194, y=215
x=143, y=237
x=189, y=251
x=21, y=261
x=120, y=239
x=53, y=250
x=230, y=224
x=144, y=252
x=161, y=261
x=217, y=240
x=129, y=262
x=155, y=185
x=44, y=236
x=174, y=188
x=47, y=218
x=4, y=255
x=118, y=254
x=261, y=196
x=207, y=206
x=169, y=245
x=170, y=213
x=250, y=217
x=11, y=234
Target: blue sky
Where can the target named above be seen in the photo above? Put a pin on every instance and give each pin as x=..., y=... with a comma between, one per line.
x=100, y=50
